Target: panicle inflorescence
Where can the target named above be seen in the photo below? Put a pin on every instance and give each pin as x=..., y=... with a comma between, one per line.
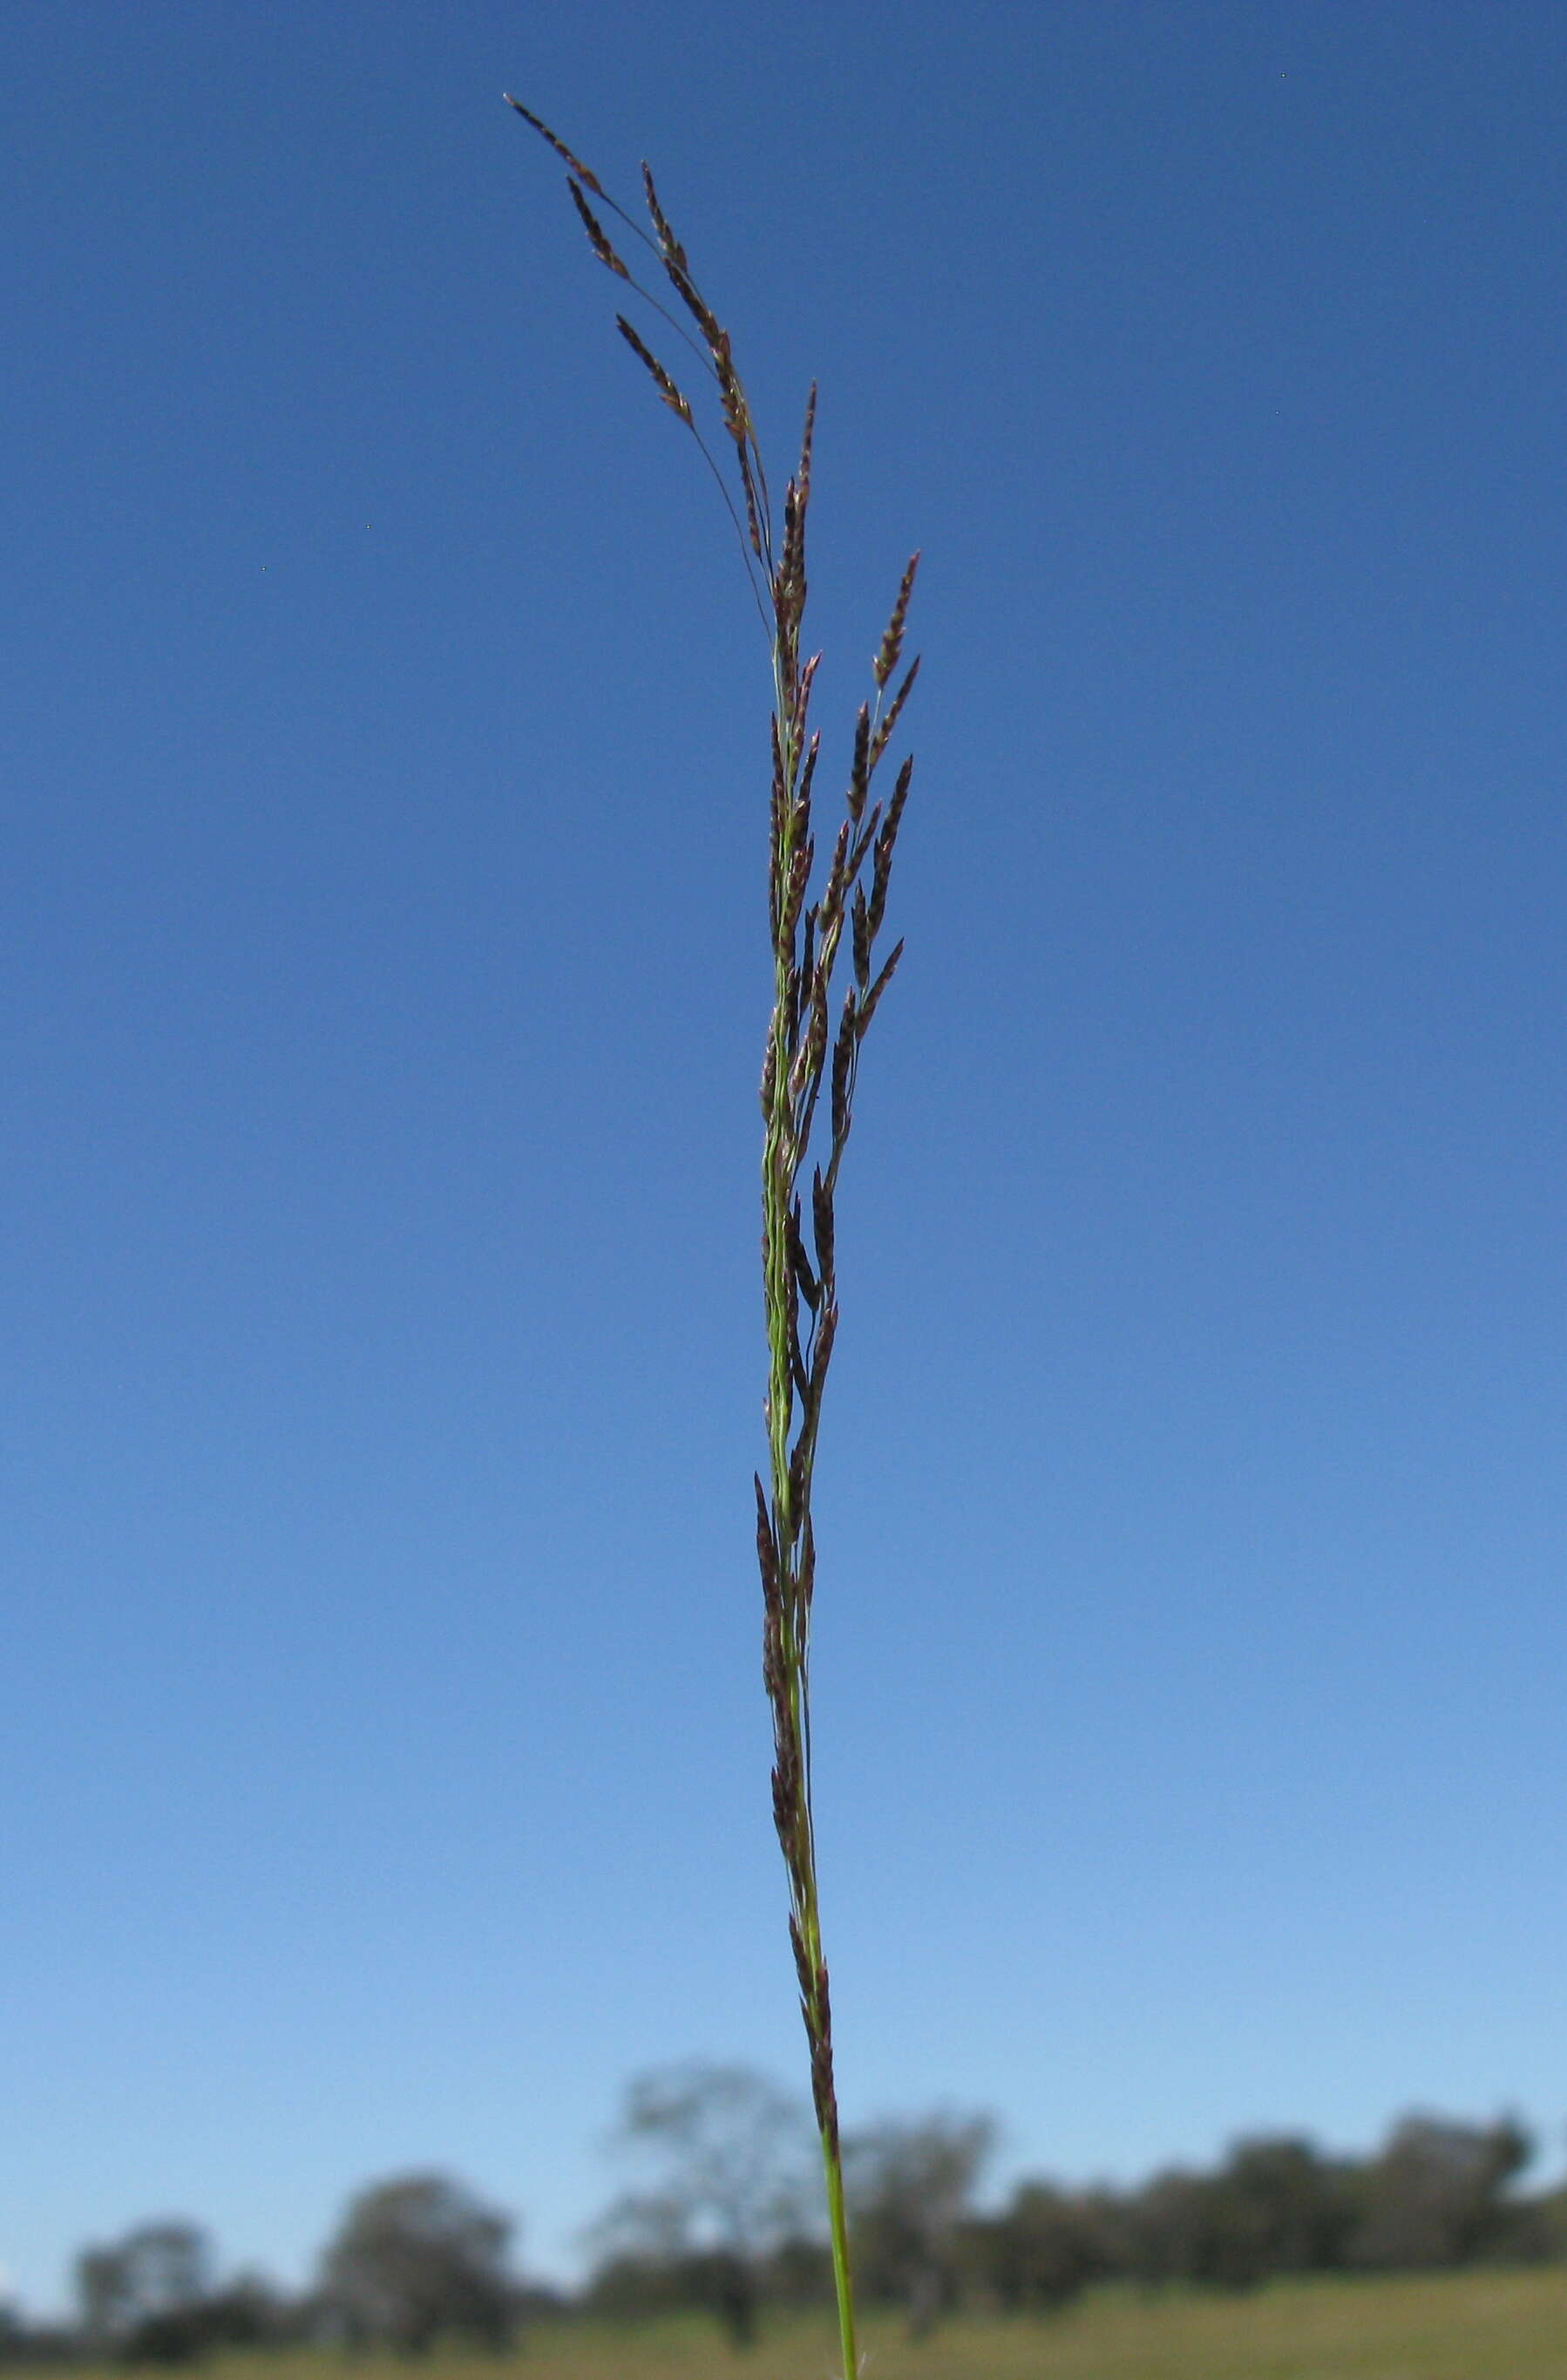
x=803, y=1049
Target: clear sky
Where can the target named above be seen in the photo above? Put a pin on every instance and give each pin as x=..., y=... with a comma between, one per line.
x=383, y=728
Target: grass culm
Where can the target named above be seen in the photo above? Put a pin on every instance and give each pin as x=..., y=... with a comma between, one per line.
x=808, y=1045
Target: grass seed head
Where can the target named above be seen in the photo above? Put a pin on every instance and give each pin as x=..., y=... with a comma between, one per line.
x=795, y=893
x=877, y=989
x=668, y=245
x=809, y=1287
x=883, y=733
x=821, y=1227
x=822, y=1353
x=806, y=441
x=859, y=773
x=595, y=230
x=861, y=939
x=793, y=1065
x=885, y=842
x=666, y=386
x=584, y=173
x=843, y=1061
x=892, y=643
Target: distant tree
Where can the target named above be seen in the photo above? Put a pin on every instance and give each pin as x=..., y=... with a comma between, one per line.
x=633, y=2286
x=418, y=2258
x=1435, y=2195
x=1169, y=2224
x=799, y=2273
x=911, y=2186
x=178, y=2336
x=1274, y=2206
x=250, y=2312
x=733, y=2158
x=1045, y=2246
x=143, y=2294
x=1287, y=2207
x=32, y=2345
x=1548, y=2229
x=101, y=2295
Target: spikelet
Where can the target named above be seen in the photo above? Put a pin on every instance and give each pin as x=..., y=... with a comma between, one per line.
x=666, y=386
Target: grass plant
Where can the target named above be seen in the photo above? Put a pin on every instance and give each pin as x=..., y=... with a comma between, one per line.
x=807, y=1047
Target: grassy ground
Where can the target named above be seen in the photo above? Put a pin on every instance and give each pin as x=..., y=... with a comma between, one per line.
x=1453, y=2326
x=1459, y=2327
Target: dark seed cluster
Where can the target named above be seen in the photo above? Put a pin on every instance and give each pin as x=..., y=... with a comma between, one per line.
x=801, y=1295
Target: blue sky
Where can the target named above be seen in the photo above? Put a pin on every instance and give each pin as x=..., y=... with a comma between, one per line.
x=383, y=1746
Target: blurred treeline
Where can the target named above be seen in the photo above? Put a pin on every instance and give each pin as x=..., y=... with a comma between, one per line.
x=728, y=2222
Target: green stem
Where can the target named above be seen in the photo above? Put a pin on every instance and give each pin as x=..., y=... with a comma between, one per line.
x=842, y=2280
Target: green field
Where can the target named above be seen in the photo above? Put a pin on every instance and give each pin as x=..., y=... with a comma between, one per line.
x=1453, y=2327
